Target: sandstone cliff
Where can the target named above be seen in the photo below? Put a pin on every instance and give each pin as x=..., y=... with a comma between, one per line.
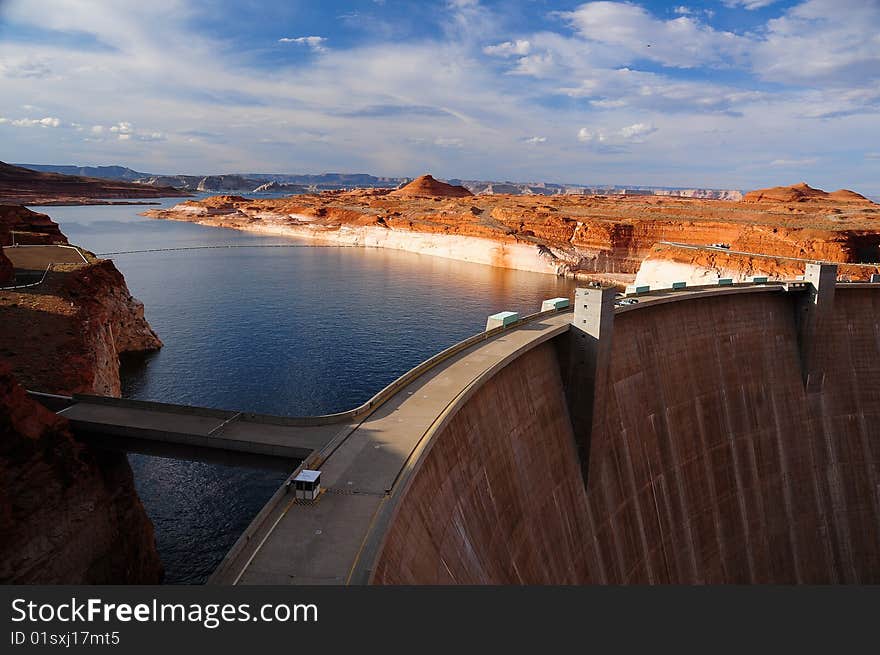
x=68, y=515
x=559, y=234
x=802, y=192
x=667, y=263
x=29, y=227
x=66, y=335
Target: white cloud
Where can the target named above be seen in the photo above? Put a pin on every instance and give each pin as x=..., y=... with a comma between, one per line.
x=449, y=142
x=48, y=121
x=749, y=4
x=19, y=67
x=535, y=140
x=635, y=133
x=315, y=43
x=509, y=48
x=827, y=42
x=635, y=33
x=788, y=163
x=872, y=155
x=588, y=136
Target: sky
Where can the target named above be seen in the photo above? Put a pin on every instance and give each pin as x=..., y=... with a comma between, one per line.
x=719, y=93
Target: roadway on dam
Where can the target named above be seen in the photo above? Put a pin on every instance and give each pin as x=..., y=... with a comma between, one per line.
x=324, y=542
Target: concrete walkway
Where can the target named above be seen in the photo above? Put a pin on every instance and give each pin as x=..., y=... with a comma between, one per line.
x=335, y=539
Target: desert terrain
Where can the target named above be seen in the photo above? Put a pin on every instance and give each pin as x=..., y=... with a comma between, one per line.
x=572, y=235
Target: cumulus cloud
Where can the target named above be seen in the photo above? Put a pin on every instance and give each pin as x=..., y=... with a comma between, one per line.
x=535, y=140
x=48, y=121
x=829, y=42
x=509, y=48
x=123, y=130
x=635, y=133
x=682, y=42
x=315, y=43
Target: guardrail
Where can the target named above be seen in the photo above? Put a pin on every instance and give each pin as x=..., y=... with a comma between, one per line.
x=31, y=284
x=327, y=419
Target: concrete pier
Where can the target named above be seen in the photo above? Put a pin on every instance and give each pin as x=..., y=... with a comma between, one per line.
x=589, y=350
x=815, y=317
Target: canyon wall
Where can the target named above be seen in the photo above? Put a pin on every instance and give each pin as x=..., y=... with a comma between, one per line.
x=559, y=234
x=667, y=263
x=68, y=514
x=710, y=462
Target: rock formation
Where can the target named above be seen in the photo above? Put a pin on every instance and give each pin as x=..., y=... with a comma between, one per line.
x=802, y=192
x=427, y=187
x=562, y=234
x=281, y=187
x=68, y=514
x=30, y=227
x=7, y=273
x=24, y=186
x=668, y=263
x=66, y=335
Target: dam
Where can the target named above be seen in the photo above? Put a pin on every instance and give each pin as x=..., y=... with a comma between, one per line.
x=722, y=434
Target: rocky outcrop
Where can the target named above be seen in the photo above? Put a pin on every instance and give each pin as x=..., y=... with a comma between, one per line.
x=280, y=187
x=802, y=192
x=427, y=186
x=30, y=227
x=226, y=183
x=24, y=186
x=563, y=234
x=66, y=335
x=7, y=273
x=68, y=514
x=667, y=263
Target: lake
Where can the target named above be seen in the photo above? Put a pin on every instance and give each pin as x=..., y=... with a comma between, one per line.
x=286, y=331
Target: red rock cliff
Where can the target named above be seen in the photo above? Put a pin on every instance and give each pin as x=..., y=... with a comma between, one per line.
x=590, y=234
x=68, y=515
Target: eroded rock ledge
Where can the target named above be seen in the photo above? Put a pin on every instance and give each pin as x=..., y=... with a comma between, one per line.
x=68, y=513
x=564, y=235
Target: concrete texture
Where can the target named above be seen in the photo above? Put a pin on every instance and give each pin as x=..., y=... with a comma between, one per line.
x=712, y=461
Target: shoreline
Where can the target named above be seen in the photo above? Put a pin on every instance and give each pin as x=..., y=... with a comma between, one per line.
x=475, y=250
x=528, y=258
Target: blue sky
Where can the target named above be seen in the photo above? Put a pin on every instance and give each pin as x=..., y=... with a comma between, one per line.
x=720, y=93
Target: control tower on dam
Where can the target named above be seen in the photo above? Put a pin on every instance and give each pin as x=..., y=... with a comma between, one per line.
x=725, y=434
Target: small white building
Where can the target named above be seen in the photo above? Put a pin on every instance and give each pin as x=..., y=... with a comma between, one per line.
x=307, y=484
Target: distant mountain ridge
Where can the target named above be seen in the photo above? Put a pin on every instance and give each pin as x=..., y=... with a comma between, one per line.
x=312, y=183
x=26, y=186
x=102, y=172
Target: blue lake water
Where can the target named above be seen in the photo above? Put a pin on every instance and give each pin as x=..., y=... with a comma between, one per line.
x=288, y=331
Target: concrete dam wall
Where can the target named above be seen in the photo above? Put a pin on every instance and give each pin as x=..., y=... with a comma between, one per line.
x=726, y=438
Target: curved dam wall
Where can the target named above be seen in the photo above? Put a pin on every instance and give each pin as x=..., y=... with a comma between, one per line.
x=707, y=459
x=499, y=498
